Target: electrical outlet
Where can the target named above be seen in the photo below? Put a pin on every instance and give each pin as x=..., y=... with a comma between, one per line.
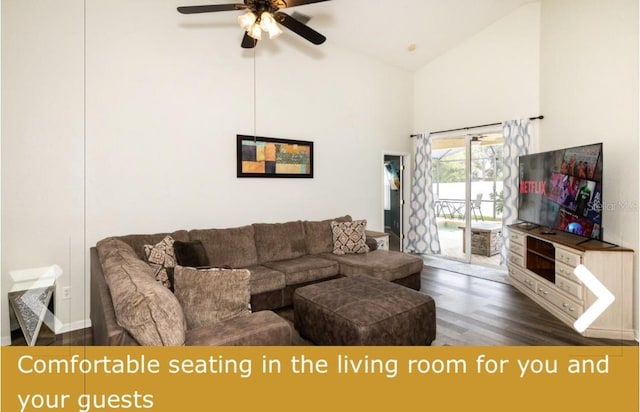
x=66, y=292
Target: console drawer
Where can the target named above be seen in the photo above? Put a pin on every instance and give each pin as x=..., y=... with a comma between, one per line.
x=522, y=278
x=567, y=257
x=570, y=287
x=516, y=259
x=516, y=237
x=567, y=272
x=517, y=249
x=567, y=305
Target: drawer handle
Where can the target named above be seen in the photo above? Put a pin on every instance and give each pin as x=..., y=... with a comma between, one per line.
x=564, y=305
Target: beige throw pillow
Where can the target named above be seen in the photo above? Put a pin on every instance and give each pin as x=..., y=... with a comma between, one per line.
x=211, y=296
x=349, y=237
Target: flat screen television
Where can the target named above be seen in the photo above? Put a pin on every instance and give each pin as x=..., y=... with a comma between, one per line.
x=562, y=190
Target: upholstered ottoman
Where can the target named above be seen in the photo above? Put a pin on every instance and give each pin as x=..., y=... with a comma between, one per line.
x=361, y=310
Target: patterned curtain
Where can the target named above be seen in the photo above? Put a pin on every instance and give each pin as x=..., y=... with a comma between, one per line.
x=517, y=141
x=423, y=231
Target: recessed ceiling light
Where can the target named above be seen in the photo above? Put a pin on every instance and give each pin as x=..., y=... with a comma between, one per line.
x=411, y=47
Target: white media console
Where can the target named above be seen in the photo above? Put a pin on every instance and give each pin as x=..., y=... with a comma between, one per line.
x=541, y=266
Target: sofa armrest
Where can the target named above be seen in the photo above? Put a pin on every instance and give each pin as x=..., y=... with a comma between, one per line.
x=104, y=325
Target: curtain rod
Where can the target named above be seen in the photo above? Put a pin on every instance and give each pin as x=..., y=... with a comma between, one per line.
x=475, y=127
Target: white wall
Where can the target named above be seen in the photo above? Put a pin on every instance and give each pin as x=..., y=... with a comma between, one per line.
x=589, y=93
x=166, y=95
x=165, y=104
x=491, y=77
x=42, y=146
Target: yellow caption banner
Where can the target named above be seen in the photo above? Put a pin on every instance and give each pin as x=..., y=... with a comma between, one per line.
x=319, y=378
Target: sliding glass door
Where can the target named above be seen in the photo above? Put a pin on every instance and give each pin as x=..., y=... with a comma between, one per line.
x=467, y=176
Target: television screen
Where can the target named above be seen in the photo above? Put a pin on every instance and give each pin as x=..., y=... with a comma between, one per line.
x=562, y=189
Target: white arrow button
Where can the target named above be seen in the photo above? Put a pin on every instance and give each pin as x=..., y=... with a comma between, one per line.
x=604, y=298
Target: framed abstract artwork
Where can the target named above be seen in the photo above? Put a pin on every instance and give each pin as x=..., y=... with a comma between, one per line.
x=271, y=157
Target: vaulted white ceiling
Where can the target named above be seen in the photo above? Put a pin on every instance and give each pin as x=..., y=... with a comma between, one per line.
x=387, y=29
x=404, y=33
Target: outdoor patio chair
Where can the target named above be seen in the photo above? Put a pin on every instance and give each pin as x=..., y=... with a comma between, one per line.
x=476, y=205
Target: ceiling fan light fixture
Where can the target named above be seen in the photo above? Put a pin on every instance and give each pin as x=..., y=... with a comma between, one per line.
x=274, y=32
x=247, y=20
x=267, y=21
x=268, y=24
x=254, y=31
x=264, y=15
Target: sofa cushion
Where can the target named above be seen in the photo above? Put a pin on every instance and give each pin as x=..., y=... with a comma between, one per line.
x=264, y=279
x=210, y=296
x=263, y=328
x=191, y=254
x=319, y=236
x=380, y=264
x=349, y=237
x=279, y=241
x=305, y=269
x=233, y=247
x=145, y=308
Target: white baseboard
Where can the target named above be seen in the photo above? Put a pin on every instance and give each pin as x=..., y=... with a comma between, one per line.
x=68, y=327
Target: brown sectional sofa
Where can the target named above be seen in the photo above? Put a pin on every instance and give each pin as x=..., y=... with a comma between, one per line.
x=281, y=257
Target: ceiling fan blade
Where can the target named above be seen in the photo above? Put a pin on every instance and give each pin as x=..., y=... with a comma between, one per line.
x=300, y=28
x=294, y=3
x=211, y=8
x=248, y=42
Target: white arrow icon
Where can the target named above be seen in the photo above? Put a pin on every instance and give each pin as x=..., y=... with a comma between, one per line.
x=605, y=298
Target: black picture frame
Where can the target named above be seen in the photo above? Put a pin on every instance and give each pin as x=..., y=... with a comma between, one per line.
x=264, y=157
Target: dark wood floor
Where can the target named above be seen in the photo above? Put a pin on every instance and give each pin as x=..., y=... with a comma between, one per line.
x=477, y=312
x=470, y=312
x=80, y=337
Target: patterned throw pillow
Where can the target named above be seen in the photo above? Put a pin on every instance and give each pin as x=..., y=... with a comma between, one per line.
x=162, y=259
x=349, y=237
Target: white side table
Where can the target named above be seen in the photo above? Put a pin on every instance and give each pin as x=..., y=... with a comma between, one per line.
x=32, y=303
x=382, y=239
x=32, y=309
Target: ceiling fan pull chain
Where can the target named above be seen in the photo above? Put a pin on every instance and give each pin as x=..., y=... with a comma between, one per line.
x=254, y=96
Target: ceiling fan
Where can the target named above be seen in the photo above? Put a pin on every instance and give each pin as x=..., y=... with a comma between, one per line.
x=263, y=15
